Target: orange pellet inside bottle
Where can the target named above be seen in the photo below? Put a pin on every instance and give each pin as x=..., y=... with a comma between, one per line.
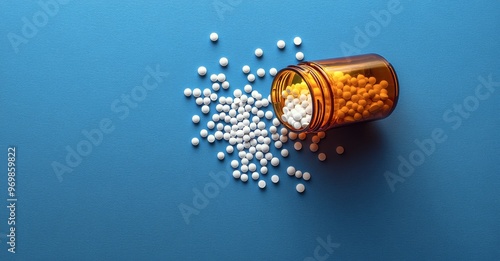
x=318, y=95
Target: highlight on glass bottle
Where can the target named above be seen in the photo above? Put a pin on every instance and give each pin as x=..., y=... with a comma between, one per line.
x=318, y=95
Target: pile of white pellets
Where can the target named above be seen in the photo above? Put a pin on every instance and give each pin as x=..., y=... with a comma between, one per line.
x=245, y=123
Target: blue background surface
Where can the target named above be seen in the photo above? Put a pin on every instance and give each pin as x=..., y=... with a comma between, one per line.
x=122, y=201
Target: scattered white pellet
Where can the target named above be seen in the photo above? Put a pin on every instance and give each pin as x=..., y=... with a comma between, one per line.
x=205, y=109
x=220, y=155
x=244, y=168
x=313, y=147
x=299, y=56
x=196, y=92
x=281, y=44
x=259, y=52
x=290, y=170
x=262, y=184
x=297, y=41
x=255, y=175
x=245, y=69
x=234, y=164
x=210, y=125
x=275, y=179
x=300, y=187
x=263, y=170
x=229, y=149
x=213, y=77
x=188, y=92
x=244, y=177
x=306, y=176
x=284, y=153
x=223, y=61
x=298, y=174
x=203, y=133
x=236, y=174
x=275, y=161
x=251, y=77
x=195, y=119
x=215, y=86
x=273, y=71
x=214, y=37
x=211, y=138
x=221, y=77
x=195, y=141
x=252, y=167
x=322, y=156
x=297, y=145
x=225, y=85
x=202, y=70
x=340, y=150
x=261, y=72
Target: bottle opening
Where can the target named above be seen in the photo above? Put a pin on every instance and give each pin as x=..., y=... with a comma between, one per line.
x=292, y=100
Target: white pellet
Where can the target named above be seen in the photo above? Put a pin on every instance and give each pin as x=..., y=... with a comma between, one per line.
x=229, y=149
x=284, y=153
x=306, y=176
x=203, y=133
x=269, y=115
x=269, y=156
x=290, y=170
x=300, y=188
x=297, y=41
x=259, y=52
x=213, y=77
x=244, y=177
x=263, y=170
x=207, y=101
x=298, y=174
x=275, y=161
x=252, y=167
x=195, y=141
x=234, y=164
x=244, y=168
x=251, y=77
x=225, y=85
x=223, y=61
x=281, y=44
x=195, y=119
x=236, y=174
x=276, y=122
x=202, y=70
x=255, y=175
x=196, y=92
x=219, y=135
x=322, y=156
x=220, y=155
x=275, y=179
x=214, y=37
x=221, y=77
x=299, y=56
x=278, y=144
x=211, y=138
x=261, y=72
x=205, y=109
x=262, y=184
x=245, y=69
x=340, y=150
x=187, y=92
x=273, y=71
